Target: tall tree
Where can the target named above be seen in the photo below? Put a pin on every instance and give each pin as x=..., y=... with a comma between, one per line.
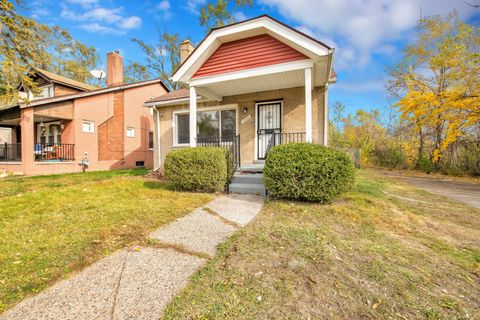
x=25, y=44
x=438, y=82
x=60, y=53
x=220, y=13
x=163, y=57
x=135, y=72
x=17, y=40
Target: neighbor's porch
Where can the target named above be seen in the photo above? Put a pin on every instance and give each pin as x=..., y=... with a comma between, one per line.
x=33, y=136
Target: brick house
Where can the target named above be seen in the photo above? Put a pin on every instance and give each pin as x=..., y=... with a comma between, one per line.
x=70, y=121
x=252, y=84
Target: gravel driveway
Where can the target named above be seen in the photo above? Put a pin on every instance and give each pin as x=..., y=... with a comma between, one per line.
x=465, y=192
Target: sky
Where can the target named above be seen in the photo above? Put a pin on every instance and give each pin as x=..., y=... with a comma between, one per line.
x=367, y=35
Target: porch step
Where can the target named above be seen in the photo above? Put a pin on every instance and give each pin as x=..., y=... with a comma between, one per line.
x=253, y=168
x=248, y=188
x=248, y=178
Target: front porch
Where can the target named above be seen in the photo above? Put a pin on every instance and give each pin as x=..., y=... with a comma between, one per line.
x=31, y=136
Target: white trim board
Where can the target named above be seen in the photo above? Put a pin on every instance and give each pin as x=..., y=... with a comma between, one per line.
x=255, y=72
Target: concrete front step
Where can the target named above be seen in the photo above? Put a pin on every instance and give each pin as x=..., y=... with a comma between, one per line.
x=248, y=188
x=255, y=168
x=251, y=178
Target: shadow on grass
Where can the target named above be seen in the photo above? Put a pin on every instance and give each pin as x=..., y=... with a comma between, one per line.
x=158, y=185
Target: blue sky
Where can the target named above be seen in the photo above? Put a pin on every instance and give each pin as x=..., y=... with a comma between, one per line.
x=367, y=34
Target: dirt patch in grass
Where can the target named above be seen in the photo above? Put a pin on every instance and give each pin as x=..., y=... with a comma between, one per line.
x=52, y=226
x=369, y=255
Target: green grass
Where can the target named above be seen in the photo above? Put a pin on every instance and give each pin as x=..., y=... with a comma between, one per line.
x=383, y=251
x=53, y=225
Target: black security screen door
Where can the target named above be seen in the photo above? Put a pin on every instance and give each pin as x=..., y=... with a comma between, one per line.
x=269, y=121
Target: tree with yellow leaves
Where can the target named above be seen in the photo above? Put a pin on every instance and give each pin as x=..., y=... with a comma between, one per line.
x=438, y=83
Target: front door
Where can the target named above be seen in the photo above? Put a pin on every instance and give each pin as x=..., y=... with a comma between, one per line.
x=269, y=125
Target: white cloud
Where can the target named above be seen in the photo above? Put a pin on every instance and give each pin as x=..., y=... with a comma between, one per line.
x=100, y=19
x=163, y=5
x=83, y=3
x=98, y=28
x=162, y=10
x=361, y=86
x=130, y=23
x=39, y=12
x=363, y=27
x=239, y=16
x=192, y=5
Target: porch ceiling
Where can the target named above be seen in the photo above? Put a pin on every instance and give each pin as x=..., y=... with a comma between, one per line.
x=274, y=81
x=265, y=82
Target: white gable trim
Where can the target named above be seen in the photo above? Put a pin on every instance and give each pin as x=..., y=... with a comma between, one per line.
x=212, y=42
x=260, y=71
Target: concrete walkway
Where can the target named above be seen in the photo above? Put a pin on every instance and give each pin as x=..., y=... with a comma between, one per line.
x=137, y=283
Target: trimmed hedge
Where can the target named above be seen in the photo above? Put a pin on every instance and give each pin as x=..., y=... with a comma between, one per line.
x=201, y=169
x=307, y=172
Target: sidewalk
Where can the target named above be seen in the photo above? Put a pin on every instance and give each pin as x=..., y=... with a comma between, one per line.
x=137, y=283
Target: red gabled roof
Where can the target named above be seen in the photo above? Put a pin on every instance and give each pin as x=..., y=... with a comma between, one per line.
x=258, y=51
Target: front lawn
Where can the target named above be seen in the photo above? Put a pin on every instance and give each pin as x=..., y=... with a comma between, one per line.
x=383, y=251
x=51, y=226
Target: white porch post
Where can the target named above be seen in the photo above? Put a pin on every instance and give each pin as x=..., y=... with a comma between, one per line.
x=308, y=105
x=325, y=118
x=193, y=116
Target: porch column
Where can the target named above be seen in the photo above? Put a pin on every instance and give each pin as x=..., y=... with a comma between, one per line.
x=28, y=138
x=193, y=116
x=308, y=105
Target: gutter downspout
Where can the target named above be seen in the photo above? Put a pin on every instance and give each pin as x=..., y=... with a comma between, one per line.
x=325, y=95
x=157, y=127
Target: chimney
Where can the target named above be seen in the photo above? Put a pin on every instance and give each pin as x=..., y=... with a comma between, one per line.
x=114, y=68
x=186, y=48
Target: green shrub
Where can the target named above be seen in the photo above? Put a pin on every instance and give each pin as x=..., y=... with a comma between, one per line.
x=201, y=169
x=308, y=172
x=424, y=164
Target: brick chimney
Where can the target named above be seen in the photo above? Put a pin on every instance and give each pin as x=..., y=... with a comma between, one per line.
x=186, y=48
x=114, y=68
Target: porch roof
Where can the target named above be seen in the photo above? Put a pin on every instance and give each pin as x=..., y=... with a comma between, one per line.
x=181, y=96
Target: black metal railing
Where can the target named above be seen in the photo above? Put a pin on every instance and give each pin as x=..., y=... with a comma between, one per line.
x=54, y=152
x=284, y=138
x=10, y=152
x=232, y=143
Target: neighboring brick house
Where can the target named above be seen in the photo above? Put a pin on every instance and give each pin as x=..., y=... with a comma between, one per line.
x=71, y=121
x=252, y=84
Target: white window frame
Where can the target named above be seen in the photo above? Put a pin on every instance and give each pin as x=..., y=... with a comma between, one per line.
x=131, y=129
x=212, y=108
x=91, y=124
x=50, y=92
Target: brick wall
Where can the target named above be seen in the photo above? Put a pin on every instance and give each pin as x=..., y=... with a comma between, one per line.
x=293, y=117
x=111, y=133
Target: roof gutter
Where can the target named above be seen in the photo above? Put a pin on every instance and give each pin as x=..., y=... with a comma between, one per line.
x=172, y=102
x=89, y=93
x=331, y=55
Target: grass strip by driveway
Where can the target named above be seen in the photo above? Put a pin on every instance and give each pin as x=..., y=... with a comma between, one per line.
x=383, y=251
x=53, y=225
